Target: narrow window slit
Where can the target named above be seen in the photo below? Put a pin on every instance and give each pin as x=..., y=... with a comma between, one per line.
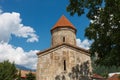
x=63, y=39
x=64, y=65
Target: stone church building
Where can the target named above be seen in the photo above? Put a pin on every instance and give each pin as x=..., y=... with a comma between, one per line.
x=63, y=60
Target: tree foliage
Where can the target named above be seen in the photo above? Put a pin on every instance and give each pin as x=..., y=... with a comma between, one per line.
x=8, y=71
x=30, y=76
x=19, y=75
x=104, y=70
x=104, y=28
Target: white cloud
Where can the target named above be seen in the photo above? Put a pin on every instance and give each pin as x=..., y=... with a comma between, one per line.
x=18, y=55
x=10, y=24
x=84, y=44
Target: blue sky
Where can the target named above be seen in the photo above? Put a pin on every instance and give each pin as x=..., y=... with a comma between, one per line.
x=40, y=16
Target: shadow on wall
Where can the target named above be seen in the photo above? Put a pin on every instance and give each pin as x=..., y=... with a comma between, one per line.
x=78, y=72
x=58, y=77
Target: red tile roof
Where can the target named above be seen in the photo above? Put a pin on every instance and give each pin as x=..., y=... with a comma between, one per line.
x=114, y=77
x=63, y=22
x=24, y=72
x=96, y=76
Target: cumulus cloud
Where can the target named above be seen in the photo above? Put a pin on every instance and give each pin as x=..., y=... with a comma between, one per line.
x=18, y=55
x=10, y=24
x=83, y=44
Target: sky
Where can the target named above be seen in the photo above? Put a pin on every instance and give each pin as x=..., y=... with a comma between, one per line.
x=25, y=28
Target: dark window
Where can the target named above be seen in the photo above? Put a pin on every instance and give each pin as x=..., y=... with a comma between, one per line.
x=63, y=39
x=64, y=65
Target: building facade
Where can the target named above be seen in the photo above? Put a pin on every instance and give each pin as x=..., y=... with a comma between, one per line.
x=63, y=60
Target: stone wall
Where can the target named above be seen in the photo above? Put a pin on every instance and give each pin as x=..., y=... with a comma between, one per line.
x=68, y=34
x=51, y=64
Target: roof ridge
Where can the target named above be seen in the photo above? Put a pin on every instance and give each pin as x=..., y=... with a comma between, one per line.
x=76, y=47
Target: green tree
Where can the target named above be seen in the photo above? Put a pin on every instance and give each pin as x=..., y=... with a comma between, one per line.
x=19, y=75
x=104, y=28
x=30, y=76
x=8, y=71
x=104, y=70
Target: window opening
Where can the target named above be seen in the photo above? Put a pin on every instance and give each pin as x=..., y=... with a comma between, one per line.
x=63, y=39
x=64, y=65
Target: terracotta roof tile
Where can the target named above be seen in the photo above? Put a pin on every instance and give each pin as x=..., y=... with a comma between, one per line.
x=96, y=76
x=114, y=77
x=24, y=72
x=63, y=22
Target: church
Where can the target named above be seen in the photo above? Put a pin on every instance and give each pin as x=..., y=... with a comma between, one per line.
x=64, y=60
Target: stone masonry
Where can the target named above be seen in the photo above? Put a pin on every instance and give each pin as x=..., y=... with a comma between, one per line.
x=63, y=60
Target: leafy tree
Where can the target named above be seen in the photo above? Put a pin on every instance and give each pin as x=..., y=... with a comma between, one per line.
x=104, y=70
x=30, y=76
x=19, y=75
x=8, y=71
x=104, y=28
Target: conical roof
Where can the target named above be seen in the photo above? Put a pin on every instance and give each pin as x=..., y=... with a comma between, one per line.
x=63, y=22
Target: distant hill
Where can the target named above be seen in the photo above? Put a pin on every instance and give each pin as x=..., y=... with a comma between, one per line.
x=24, y=68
